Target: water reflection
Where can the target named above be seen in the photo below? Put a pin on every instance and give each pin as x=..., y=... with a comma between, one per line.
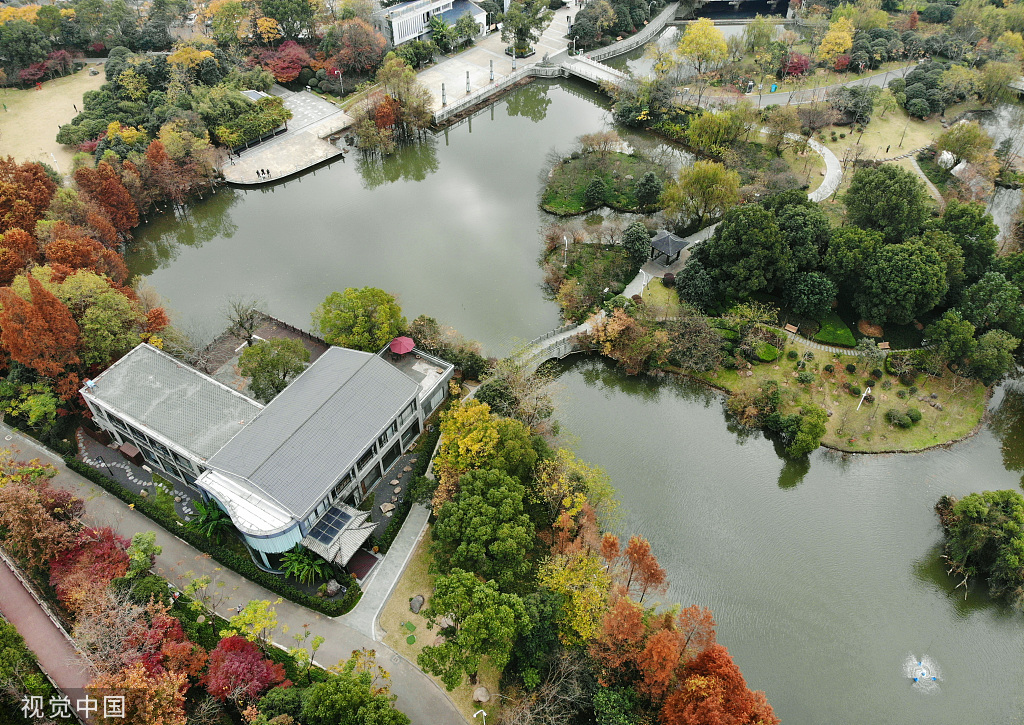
x=193, y=227
x=531, y=102
x=793, y=472
x=1007, y=422
x=410, y=162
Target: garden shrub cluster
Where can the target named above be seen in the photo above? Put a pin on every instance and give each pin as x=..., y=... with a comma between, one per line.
x=237, y=563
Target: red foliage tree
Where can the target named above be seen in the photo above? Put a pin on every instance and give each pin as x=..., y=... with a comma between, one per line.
x=60, y=503
x=912, y=20
x=843, y=62
x=797, y=64
x=87, y=253
x=619, y=642
x=25, y=193
x=696, y=626
x=17, y=249
x=98, y=557
x=237, y=671
x=659, y=662
x=163, y=645
x=712, y=691
x=644, y=572
x=156, y=320
x=286, y=62
x=360, y=47
x=104, y=186
x=40, y=334
x=33, y=73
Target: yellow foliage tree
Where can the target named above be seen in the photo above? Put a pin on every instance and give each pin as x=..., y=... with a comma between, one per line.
x=703, y=45
x=256, y=622
x=583, y=582
x=134, y=84
x=268, y=29
x=129, y=134
x=25, y=12
x=837, y=41
x=567, y=483
x=188, y=56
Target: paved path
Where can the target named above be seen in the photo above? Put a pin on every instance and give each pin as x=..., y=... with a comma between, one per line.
x=418, y=696
x=304, y=144
x=57, y=656
x=932, y=189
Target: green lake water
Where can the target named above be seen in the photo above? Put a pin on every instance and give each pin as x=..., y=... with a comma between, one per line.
x=823, y=577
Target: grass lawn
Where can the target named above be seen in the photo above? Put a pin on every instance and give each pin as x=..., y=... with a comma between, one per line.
x=866, y=430
x=28, y=128
x=662, y=300
x=809, y=167
x=416, y=579
x=835, y=332
x=568, y=181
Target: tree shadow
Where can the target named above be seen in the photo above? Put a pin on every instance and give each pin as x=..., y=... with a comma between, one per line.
x=410, y=162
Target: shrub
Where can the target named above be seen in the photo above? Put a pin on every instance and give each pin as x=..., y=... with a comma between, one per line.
x=901, y=394
x=766, y=352
x=851, y=368
x=854, y=390
x=727, y=333
x=886, y=385
x=868, y=382
x=908, y=378
x=912, y=390
x=808, y=355
x=792, y=355
x=241, y=564
x=596, y=192
x=830, y=368
x=729, y=363
x=805, y=377
x=869, y=398
x=914, y=414
x=842, y=135
x=876, y=374
x=898, y=419
x=669, y=280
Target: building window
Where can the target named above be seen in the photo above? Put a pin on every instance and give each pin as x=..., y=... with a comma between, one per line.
x=367, y=457
x=386, y=435
x=410, y=433
x=392, y=455
x=340, y=486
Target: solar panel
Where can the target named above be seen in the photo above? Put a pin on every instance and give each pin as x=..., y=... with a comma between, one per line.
x=332, y=524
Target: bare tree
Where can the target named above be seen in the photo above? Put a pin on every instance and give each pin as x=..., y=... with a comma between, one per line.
x=245, y=315
x=106, y=625
x=562, y=694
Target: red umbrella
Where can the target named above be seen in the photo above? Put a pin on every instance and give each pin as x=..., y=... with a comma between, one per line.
x=402, y=345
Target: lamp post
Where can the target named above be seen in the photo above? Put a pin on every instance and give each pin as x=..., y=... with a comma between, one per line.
x=481, y=712
x=574, y=45
x=55, y=164
x=565, y=252
x=99, y=460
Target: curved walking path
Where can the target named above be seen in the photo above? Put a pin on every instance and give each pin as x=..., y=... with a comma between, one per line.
x=57, y=655
x=932, y=188
x=418, y=695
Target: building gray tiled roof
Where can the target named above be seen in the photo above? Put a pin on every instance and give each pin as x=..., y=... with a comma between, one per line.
x=313, y=431
x=174, y=400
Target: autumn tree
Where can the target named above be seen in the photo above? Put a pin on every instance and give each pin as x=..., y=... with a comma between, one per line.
x=472, y=437
x=582, y=581
x=702, y=46
x=103, y=186
x=25, y=194
x=965, y=141
x=837, y=41
x=484, y=622
x=32, y=533
x=353, y=46
x=40, y=334
x=147, y=698
x=238, y=672
x=712, y=690
x=97, y=558
x=17, y=249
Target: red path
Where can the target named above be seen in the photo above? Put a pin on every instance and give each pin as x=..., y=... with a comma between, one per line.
x=69, y=670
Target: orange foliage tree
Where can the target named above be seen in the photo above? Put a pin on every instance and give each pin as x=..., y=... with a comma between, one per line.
x=25, y=193
x=151, y=699
x=17, y=249
x=712, y=691
x=105, y=187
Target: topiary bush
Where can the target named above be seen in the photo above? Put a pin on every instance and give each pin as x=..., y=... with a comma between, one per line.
x=901, y=394
x=876, y=374
x=805, y=377
x=854, y=390
x=596, y=193
x=886, y=385
x=869, y=398
x=912, y=390
x=914, y=414
x=792, y=355
x=830, y=368
x=851, y=368
x=766, y=352
x=669, y=280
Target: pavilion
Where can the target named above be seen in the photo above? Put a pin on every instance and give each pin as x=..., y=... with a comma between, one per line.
x=668, y=244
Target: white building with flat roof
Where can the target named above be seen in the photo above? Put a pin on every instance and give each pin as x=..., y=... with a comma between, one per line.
x=409, y=21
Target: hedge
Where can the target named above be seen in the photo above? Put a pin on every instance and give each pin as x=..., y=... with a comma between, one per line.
x=835, y=332
x=239, y=564
x=766, y=352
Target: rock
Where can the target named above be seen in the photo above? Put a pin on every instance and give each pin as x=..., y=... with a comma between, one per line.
x=444, y=623
x=481, y=694
x=412, y=460
x=935, y=396
x=938, y=406
x=395, y=481
x=416, y=604
x=407, y=469
x=398, y=489
x=828, y=413
x=629, y=177
x=333, y=587
x=386, y=508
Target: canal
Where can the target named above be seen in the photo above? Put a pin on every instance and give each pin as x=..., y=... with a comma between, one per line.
x=823, y=577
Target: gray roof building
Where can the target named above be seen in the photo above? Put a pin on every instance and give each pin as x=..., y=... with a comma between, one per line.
x=317, y=428
x=174, y=400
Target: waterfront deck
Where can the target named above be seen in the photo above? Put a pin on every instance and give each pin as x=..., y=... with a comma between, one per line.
x=303, y=146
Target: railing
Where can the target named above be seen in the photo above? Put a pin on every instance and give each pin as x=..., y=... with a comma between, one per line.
x=480, y=95
x=548, y=335
x=654, y=27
